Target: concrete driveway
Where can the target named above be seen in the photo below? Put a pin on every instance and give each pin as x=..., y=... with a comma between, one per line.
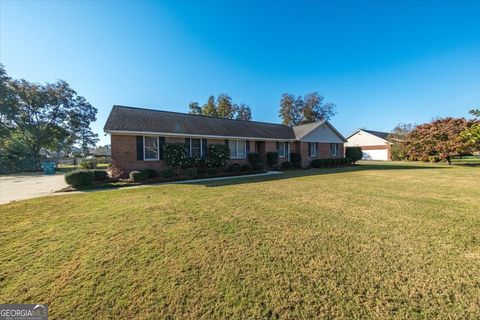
x=29, y=185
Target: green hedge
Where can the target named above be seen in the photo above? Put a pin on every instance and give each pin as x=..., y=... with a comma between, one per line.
x=218, y=155
x=354, y=153
x=254, y=159
x=296, y=159
x=272, y=159
x=80, y=178
x=150, y=173
x=137, y=176
x=323, y=163
x=287, y=165
x=100, y=175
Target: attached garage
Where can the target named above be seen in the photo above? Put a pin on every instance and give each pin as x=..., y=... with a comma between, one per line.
x=374, y=144
x=379, y=154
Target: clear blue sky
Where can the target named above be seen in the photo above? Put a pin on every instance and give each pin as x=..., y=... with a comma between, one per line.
x=381, y=62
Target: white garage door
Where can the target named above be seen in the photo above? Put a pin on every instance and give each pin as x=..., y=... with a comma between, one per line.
x=375, y=155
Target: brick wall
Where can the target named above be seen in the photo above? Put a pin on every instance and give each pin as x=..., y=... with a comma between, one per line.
x=322, y=153
x=124, y=153
x=124, y=157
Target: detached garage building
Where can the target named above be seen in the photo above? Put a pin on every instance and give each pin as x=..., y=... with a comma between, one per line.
x=374, y=144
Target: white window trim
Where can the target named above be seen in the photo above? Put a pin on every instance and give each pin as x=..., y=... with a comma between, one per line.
x=201, y=147
x=158, y=149
x=236, y=148
x=313, y=153
x=335, y=149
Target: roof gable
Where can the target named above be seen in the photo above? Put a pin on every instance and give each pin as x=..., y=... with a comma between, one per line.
x=321, y=131
x=377, y=134
x=138, y=120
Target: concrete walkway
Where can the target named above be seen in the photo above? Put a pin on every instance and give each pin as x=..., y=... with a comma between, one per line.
x=268, y=173
x=29, y=185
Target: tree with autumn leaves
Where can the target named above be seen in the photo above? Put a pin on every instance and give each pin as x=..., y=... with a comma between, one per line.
x=440, y=139
x=472, y=134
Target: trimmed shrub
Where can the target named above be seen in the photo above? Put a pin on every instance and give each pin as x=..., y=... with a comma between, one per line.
x=244, y=168
x=175, y=154
x=254, y=159
x=296, y=159
x=100, y=175
x=234, y=167
x=150, y=173
x=167, y=173
x=191, y=172
x=207, y=170
x=354, y=153
x=286, y=165
x=137, y=176
x=79, y=178
x=272, y=159
x=348, y=161
x=88, y=163
x=257, y=168
x=317, y=163
x=218, y=155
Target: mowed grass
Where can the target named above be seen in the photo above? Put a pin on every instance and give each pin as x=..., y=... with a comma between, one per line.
x=374, y=241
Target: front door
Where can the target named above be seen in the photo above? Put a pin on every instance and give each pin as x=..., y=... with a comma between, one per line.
x=260, y=148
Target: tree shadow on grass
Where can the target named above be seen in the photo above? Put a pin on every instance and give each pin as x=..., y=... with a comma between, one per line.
x=314, y=172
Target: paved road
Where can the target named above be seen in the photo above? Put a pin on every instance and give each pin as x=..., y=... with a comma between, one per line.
x=28, y=185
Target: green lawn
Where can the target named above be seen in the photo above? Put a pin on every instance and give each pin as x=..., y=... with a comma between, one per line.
x=374, y=241
x=467, y=160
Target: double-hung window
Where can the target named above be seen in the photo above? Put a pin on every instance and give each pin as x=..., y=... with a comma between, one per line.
x=150, y=149
x=333, y=149
x=196, y=148
x=282, y=149
x=313, y=149
x=238, y=149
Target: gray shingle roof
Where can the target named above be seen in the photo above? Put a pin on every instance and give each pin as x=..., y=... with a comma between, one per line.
x=381, y=135
x=304, y=129
x=123, y=118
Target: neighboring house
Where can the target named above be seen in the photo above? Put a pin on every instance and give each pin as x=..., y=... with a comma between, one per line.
x=374, y=144
x=137, y=137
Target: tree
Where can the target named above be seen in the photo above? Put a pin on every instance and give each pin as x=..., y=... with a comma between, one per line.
x=222, y=107
x=307, y=109
x=354, y=153
x=210, y=108
x=314, y=109
x=287, y=111
x=440, y=138
x=397, y=138
x=472, y=134
x=195, y=108
x=243, y=112
x=43, y=115
x=225, y=108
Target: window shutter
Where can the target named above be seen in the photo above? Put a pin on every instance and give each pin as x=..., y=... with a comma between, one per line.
x=139, y=147
x=161, y=143
x=278, y=146
x=247, y=143
x=187, y=143
x=309, y=149
x=316, y=149
x=226, y=143
x=204, y=148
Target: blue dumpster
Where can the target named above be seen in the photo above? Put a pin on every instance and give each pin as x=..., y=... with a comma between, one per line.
x=48, y=167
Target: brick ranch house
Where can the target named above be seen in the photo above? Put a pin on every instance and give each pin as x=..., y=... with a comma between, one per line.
x=137, y=136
